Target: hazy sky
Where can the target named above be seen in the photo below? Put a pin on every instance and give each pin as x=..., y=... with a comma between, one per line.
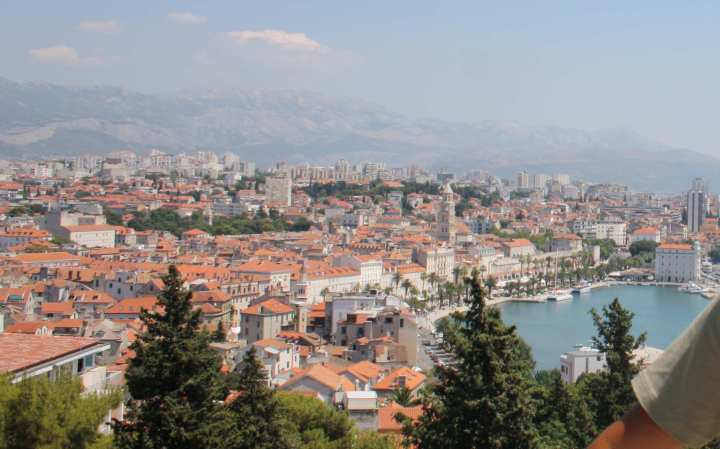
x=651, y=66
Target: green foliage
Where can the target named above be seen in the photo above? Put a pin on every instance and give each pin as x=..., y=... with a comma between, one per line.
x=256, y=410
x=165, y=219
x=715, y=255
x=643, y=246
x=82, y=194
x=18, y=211
x=403, y=396
x=484, y=402
x=309, y=423
x=342, y=189
x=57, y=240
x=563, y=418
x=43, y=414
x=219, y=334
x=173, y=379
x=113, y=218
x=610, y=393
x=607, y=246
x=301, y=224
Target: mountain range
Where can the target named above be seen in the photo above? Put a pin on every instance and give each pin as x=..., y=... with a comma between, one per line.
x=47, y=120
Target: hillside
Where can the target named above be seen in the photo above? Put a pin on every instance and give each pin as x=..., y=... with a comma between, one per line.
x=40, y=119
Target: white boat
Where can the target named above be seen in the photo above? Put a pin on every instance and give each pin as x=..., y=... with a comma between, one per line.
x=582, y=287
x=559, y=296
x=692, y=287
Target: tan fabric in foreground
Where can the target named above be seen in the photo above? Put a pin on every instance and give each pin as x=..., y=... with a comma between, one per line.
x=681, y=390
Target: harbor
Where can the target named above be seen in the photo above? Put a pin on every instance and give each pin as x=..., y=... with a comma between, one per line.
x=552, y=328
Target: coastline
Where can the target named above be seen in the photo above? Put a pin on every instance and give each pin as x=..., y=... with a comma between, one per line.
x=427, y=322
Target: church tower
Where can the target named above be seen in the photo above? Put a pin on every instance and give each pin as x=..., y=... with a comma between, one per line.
x=446, y=216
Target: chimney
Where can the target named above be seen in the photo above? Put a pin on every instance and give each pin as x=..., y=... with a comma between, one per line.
x=402, y=381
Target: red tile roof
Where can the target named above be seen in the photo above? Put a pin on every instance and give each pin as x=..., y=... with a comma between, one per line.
x=21, y=351
x=271, y=306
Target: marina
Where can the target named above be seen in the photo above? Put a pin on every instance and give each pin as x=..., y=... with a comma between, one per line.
x=554, y=327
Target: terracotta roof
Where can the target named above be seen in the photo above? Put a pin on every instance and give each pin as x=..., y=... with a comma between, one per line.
x=28, y=327
x=324, y=376
x=676, y=246
x=646, y=231
x=517, y=243
x=413, y=379
x=65, y=308
x=44, y=257
x=271, y=306
x=386, y=417
x=132, y=305
x=21, y=351
x=272, y=343
x=364, y=370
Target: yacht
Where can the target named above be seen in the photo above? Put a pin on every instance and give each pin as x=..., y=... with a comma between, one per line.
x=582, y=287
x=559, y=296
x=692, y=287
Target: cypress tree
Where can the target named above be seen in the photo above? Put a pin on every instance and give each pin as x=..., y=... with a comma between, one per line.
x=256, y=407
x=563, y=418
x=173, y=379
x=485, y=402
x=610, y=392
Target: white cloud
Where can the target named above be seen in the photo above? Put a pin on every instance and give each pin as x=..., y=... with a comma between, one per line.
x=278, y=38
x=60, y=54
x=99, y=26
x=186, y=18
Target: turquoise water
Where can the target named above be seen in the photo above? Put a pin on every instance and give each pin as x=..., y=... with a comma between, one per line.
x=555, y=327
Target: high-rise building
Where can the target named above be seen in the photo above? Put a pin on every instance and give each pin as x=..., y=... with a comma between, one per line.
x=278, y=190
x=696, y=205
x=540, y=180
x=523, y=180
x=446, y=217
x=562, y=178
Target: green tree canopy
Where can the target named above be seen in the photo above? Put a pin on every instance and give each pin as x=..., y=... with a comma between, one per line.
x=173, y=379
x=484, y=402
x=643, y=246
x=610, y=393
x=37, y=413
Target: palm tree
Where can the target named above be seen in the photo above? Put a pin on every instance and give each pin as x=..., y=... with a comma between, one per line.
x=423, y=278
x=404, y=398
x=434, y=280
x=490, y=284
x=456, y=273
x=396, y=279
x=406, y=284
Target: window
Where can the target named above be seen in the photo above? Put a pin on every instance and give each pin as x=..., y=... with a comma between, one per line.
x=80, y=365
x=402, y=322
x=343, y=330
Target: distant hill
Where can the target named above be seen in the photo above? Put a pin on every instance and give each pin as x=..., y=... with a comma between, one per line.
x=40, y=119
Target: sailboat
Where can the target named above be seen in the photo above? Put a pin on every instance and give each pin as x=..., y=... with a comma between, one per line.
x=556, y=295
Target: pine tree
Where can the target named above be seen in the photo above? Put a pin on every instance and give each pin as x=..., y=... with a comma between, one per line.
x=610, y=392
x=173, y=379
x=563, y=418
x=484, y=402
x=256, y=408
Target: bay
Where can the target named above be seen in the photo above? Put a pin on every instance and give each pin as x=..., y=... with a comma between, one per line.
x=555, y=327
